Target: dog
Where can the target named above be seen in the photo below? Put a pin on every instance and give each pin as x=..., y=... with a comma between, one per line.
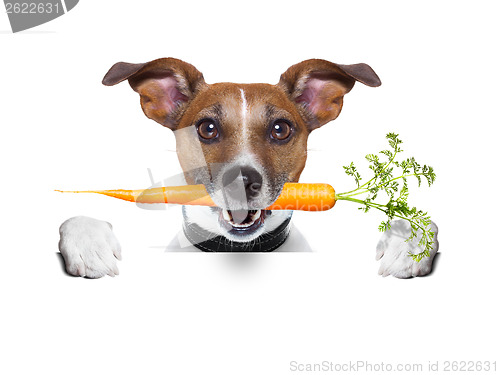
x=252, y=137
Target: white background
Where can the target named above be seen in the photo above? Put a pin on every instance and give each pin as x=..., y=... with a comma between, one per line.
x=197, y=313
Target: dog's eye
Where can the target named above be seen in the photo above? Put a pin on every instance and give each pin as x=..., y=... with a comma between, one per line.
x=207, y=129
x=280, y=130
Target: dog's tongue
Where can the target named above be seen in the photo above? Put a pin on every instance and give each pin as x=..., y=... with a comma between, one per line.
x=239, y=216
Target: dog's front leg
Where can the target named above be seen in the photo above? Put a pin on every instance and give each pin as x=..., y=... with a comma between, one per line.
x=89, y=247
x=393, y=249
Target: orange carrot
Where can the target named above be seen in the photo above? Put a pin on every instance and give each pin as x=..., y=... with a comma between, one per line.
x=305, y=197
x=294, y=196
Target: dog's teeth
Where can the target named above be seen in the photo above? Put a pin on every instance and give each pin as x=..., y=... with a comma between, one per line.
x=242, y=225
x=256, y=215
x=225, y=215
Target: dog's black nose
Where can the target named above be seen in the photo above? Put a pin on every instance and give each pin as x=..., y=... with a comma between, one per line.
x=250, y=182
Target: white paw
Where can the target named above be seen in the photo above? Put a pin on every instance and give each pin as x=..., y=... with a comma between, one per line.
x=89, y=247
x=392, y=250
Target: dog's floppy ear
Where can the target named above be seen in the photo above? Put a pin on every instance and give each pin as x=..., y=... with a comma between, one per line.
x=318, y=87
x=164, y=85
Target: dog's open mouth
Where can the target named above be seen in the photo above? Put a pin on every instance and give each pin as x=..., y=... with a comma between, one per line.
x=242, y=222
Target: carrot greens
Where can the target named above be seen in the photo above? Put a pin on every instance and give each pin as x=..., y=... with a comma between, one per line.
x=391, y=177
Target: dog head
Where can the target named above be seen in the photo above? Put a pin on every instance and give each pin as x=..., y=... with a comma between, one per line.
x=250, y=138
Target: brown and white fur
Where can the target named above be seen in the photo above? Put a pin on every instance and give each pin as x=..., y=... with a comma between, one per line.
x=252, y=136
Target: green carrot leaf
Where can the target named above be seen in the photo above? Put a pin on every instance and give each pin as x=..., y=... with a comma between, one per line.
x=395, y=187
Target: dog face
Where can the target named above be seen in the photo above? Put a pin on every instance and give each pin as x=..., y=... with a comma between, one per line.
x=253, y=141
x=251, y=138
